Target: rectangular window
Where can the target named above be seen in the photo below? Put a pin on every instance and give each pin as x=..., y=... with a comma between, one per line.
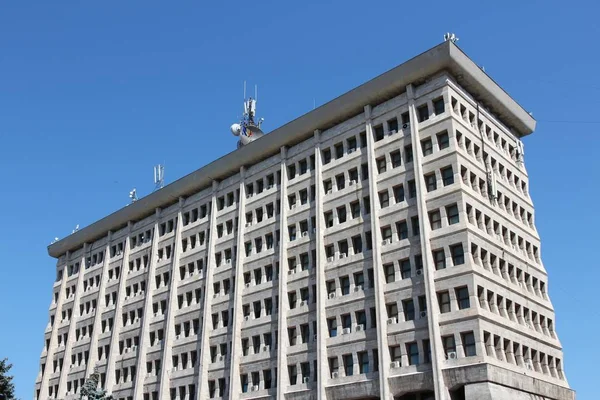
x=468, y=341
x=378, y=133
x=398, y=193
x=340, y=181
x=332, y=327
x=435, y=218
x=414, y=221
x=409, y=309
x=345, y=285
x=341, y=214
x=438, y=106
x=357, y=244
x=293, y=374
x=449, y=344
x=452, y=213
x=431, y=182
x=405, y=268
x=443, y=140
x=381, y=165
x=447, y=175
x=384, y=198
x=351, y=143
x=348, y=364
x=408, y=153
x=396, y=158
x=462, y=297
x=458, y=255
x=412, y=351
x=355, y=209
x=326, y=156
x=402, y=230
x=412, y=189
x=390, y=273
x=427, y=146
x=363, y=362
x=393, y=125
x=423, y=113
x=439, y=259
x=444, y=301
x=386, y=232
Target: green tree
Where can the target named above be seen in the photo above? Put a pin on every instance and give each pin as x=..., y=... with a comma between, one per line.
x=90, y=390
x=7, y=388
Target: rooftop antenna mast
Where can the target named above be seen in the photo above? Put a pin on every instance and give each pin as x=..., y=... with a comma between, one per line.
x=451, y=37
x=248, y=129
x=159, y=176
x=133, y=195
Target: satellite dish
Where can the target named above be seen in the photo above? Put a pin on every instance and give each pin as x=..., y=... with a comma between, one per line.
x=247, y=129
x=236, y=129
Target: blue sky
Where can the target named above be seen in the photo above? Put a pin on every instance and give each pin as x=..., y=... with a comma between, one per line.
x=93, y=94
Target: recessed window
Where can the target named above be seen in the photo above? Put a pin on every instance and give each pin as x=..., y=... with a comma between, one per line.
x=303, y=166
x=326, y=156
x=396, y=158
x=341, y=213
x=390, y=273
x=408, y=153
x=423, y=113
x=412, y=189
x=452, y=213
x=363, y=139
x=427, y=146
x=409, y=309
x=328, y=219
x=444, y=301
x=447, y=175
x=412, y=351
x=292, y=171
x=384, y=199
x=378, y=133
x=431, y=182
x=339, y=150
x=468, y=341
x=439, y=259
x=340, y=181
x=402, y=230
x=386, y=232
x=462, y=297
x=381, y=165
x=351, y=142
x=405, y=268
x=438, y=106
x=393, y=125
x=449, y=344
x=355, y=209
x=414, y=221
x=458, y=255
x=443, y=140
x=435, y=219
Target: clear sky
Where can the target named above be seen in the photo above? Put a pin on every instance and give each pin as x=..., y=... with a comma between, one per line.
x=94, y=93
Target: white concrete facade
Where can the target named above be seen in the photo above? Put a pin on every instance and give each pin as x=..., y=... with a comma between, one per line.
x=390, y=255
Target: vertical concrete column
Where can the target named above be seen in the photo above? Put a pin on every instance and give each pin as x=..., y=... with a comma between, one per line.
x=52, y=347
x=208, y=295
x=118, y=320
x=100, y=308
x=75, y=316
x=145, y=336
x=236, y=333
x=382, y=339
x=282, y=344
x=508, y=350
x=323, y=368
x=167, y=350
x=519, y=356
x=437, y=351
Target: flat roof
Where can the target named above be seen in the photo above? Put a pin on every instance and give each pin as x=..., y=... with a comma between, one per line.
x=445, y=56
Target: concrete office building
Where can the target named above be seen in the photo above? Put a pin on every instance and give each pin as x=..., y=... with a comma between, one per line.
x=381, y=246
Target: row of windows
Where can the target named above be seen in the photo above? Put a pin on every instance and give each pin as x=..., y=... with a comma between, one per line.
x=132, y=317
x=201, y=212
x=139, y=264
x=94, y=259
x=511, y=274
x=129, y=345
x=515, y=312
x=125, y=374
x=140, y=239
x=517, y=354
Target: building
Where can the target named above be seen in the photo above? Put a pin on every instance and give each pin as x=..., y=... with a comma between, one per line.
x=381, y=246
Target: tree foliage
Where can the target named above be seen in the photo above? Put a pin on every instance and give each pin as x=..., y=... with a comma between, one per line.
x=7, y=388
x=91, y=391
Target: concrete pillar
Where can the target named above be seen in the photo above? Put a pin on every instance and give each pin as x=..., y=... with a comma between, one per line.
x=437, y=351
x=204, y=358
x=235, y=385
x=382, y=339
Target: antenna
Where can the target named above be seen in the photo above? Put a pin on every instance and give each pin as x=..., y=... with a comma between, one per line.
x=451, y=37
x=76, y=229
x=159, y=176
x=54, y=241
x=256, y=92
x=133, y=195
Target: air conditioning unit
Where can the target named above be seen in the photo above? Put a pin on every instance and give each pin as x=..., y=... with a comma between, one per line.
x=305, y=234
x=392, y=131
x=386, y=242
x=332, y=295
x=420, y=271
x=405, y=125
x=142, y=292
x=127, y=350
x=303, y=303
x=329, y=191
x=452, y=355
x=134, y=348
x=305, y=379
x=351, y=150
x=248, y=224
x=228, y=261
x=330, y=259
x=254, y=388
x=177, y=337
x=359, y=328
x=292, y=271
x=269, y=187
x=293, y=206
x=423, y=314
x=395, y=364
x=221, y=358
x=346, y=331
x=266, y=348
x=529, y=365
x=343, y=255
x=249, y=195
x=335, y=375
x=215, y=295
x=352, y=182
x=126, y=297
x=119, y=252
x=358, y=288
x=392, y=321
x=247, y=318
x=136, y=320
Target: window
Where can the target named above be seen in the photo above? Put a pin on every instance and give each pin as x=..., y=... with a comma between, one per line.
x=402, y=230
x=458, y=255
x=408, y=153
x=438, y=106
x=462, y=297
x=355, y=209
x=393, y=125
x=326, y=156
x=447, y=176
x=244, y=379
x=293, y=374
x=303, y=196
x=452, y=213
x=328, y=219
x=346, y=321
x=340, y=181
x=341, y=213
x=345, y=285
x=398, y=193
x=381, y=165
x=292, y=171
x=435, y=219
x=384, y=199
x=332, y=327
x=357, y=244
x=444, y=301
x=412, y=351
x=292, y=335
x=390, y=273
x=333, y=364
x=363, y=362
x=267, y=378
x=303, y=166
x=363, y=139
x=443, y=140
x=327, y=186
x=339, y=150
x=348, y=364
x=351, y=143
x=386, y=232
x=405, y=268
x=409, y=309
x=439, y=259
x=396, y=158
x=412, y=189
x=427, y=146
x=292, y=232
x=395, y=353
x=364, y=171
x=378, y=133
x=430, y=182
x=468, y=341
x=414, y=221
x=423, y=113
x=449, y=344
x=353, y=175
